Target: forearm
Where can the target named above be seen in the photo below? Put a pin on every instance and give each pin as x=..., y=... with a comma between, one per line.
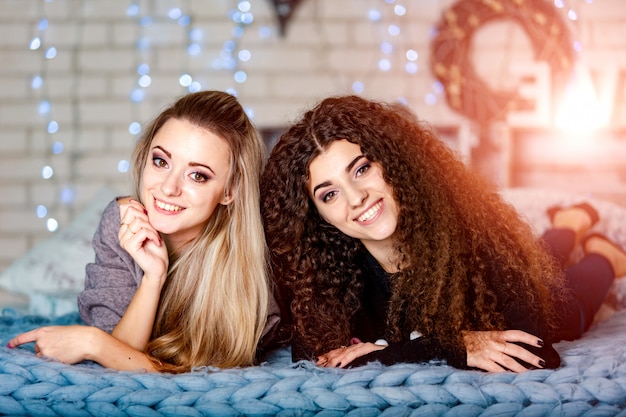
x=419, y=350
x=113, y=353
x=135, y=327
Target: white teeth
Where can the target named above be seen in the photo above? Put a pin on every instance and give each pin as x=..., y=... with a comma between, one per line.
x=369, y=214
x=168, y=207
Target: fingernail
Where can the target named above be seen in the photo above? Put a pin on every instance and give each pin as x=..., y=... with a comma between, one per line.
x=540, y=342
x=145, y=211
x=338, y=365
x=355, y=341
x=542, y=363
x=9, y=345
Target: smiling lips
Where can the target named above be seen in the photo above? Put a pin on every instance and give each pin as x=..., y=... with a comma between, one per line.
x=166, y=206
x=371, y=213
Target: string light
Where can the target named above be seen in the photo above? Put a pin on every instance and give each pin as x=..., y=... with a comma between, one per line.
x=38, y=84
x=389, y=16
x=229, y=57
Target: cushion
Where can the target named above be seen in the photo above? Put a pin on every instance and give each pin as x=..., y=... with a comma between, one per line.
x=52, y=273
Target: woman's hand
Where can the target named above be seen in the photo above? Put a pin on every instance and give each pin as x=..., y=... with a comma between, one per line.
x=494, y=351
x=144, y=244
x=340, y=358
x=68, y=344
x=142, y=241
x=74, y=344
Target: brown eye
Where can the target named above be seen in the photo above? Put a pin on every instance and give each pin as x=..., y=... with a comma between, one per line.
x=199, y=177
x=328, y=196
x=160, y=162
x=363, y=169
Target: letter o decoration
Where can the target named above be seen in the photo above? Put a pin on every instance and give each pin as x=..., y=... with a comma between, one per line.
x=465, y=92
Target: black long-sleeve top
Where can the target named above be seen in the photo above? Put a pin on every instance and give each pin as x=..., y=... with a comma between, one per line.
x=369, y=324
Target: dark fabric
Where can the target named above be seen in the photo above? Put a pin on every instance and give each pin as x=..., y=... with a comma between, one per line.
x=587, y=284
x=424, y=349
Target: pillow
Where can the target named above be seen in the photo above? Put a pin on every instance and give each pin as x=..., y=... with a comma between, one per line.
x=53, y=272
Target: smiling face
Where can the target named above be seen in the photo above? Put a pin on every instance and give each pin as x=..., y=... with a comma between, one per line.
x=184, y=180
x=350, y=193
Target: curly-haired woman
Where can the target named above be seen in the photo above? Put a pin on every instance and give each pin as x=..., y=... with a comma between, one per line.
x=387, y=247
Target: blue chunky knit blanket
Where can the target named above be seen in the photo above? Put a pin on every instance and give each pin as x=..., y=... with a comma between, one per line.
x=591, y=381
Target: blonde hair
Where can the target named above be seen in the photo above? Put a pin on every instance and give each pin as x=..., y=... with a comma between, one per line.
x=214, y=303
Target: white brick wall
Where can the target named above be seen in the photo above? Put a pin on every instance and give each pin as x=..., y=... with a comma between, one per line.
x=329, y=45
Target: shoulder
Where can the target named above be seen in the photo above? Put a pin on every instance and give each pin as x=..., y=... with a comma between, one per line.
x=110, y=219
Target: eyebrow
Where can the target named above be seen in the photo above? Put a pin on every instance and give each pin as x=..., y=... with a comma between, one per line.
x=348, y=169
x=191, y=164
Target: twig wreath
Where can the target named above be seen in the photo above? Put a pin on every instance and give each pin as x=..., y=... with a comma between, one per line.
x=465, y=92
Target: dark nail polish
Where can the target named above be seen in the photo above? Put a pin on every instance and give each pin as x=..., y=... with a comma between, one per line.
x=540, y=342
x=338, y=365
x=542, y=363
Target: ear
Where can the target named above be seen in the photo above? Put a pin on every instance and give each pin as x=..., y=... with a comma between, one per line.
x=227, y=199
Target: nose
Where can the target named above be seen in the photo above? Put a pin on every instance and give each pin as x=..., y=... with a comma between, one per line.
x=171, y=183
x=356, y=196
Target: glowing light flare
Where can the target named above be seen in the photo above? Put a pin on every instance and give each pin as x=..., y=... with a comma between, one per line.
x=134, y=128
x=132, y=10
x=42, y=211
x=53, y=127
x=47, y=172
x=44, y=107
x=240, y=77
x=580, y=110
x=374, y=15
x=123, y=166
x=143, y=69
x=144, y=81
x=265, y=32
x=194, y=87
x=36, y=82
x=244, y=55
x=57, y=148
x=244, y=6
x=35, y=43
x=51, y=53
x=358, y=87
x=68, y=195
x=52, y=225
x=399, y=10
x=185, y=80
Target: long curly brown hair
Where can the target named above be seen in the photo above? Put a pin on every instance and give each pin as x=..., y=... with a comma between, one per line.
x=463, y=247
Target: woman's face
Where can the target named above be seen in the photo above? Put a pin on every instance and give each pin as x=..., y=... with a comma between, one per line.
x=350, y=193
x=184, y=179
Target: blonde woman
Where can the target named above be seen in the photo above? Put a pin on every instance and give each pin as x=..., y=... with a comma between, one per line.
x=180, y=277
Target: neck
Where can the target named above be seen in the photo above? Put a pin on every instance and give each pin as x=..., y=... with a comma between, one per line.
x=386, y=256
x=173, y=245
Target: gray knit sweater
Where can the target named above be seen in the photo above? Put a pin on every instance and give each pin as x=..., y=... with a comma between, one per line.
x=112, y=279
